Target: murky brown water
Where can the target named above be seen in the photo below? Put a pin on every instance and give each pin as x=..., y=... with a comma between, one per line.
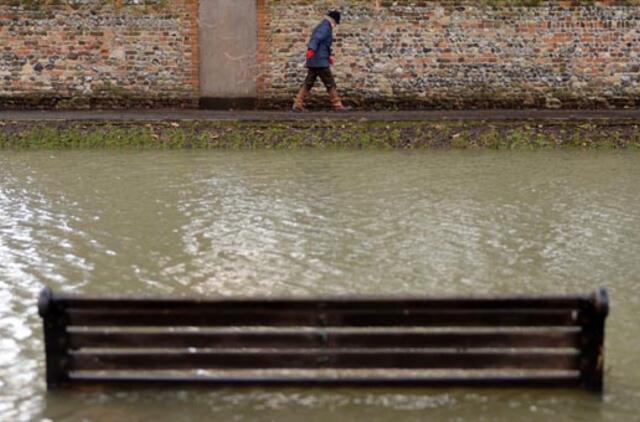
x=317, y=223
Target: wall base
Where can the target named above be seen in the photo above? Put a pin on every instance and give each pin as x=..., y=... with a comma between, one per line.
x=228, y=103
x=92, y=103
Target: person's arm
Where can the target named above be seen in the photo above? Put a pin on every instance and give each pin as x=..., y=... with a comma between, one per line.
x=319, y=34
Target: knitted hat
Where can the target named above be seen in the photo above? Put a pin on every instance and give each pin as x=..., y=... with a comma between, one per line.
x=335, y=15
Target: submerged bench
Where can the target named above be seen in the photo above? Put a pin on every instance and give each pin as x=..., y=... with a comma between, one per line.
x=497, y=341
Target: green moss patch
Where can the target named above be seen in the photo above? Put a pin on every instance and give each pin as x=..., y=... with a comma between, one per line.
x=604, y=133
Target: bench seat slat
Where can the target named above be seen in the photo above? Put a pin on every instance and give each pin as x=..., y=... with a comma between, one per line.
x=97, y=361
x=109, y=339
x=365, y=318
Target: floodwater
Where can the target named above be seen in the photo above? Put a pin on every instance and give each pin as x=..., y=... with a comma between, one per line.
x=317, y=223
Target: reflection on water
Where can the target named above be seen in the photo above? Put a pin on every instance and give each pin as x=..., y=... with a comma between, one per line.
x=316, y=223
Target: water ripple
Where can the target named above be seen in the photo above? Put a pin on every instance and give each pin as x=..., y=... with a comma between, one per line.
x=316, y=223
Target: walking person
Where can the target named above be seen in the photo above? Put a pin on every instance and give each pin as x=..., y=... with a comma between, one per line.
x=319, y=61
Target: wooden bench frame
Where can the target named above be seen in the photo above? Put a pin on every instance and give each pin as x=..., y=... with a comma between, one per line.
x=489, y=341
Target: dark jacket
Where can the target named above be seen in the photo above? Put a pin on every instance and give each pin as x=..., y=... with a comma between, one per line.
x=320, y=42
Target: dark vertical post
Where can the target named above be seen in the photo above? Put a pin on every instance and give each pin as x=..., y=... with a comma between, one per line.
x=55, y=339
x=593, y=341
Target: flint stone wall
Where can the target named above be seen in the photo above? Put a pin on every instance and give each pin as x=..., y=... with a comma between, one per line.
x=403, y=53
x=89, y=53
x=465, y=54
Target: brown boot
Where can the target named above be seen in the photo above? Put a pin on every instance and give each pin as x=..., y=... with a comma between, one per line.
x=298, y=102
x=336, y=104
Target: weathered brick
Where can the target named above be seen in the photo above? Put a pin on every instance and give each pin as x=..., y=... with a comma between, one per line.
x=439, y=53
x=461, y=54
x=99, y=54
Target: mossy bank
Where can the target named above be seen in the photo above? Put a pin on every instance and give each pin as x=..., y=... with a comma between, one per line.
x=592, y=133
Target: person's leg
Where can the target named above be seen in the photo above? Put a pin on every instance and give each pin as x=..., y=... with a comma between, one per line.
x=330, y=83
x=327, y=78
x=305, y=89
x=310, y=80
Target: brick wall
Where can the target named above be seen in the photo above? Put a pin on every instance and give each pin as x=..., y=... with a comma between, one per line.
x=400, y=53
x=433, y=53
x=99, y=53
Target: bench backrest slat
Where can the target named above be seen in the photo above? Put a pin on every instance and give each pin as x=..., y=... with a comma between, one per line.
x=101, y=338
x=343, y=359
x=350, y=304
x=310, y=317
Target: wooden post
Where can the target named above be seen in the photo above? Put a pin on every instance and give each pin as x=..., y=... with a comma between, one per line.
x=55, y=339
x=592, y=370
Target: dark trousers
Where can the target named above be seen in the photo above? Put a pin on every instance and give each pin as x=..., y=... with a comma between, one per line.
x=325, y=76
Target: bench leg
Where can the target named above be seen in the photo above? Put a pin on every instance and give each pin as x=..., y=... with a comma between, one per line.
x=593, y=347
x=55, y=339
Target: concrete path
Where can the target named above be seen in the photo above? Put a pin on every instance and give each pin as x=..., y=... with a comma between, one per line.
x=214, y=115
